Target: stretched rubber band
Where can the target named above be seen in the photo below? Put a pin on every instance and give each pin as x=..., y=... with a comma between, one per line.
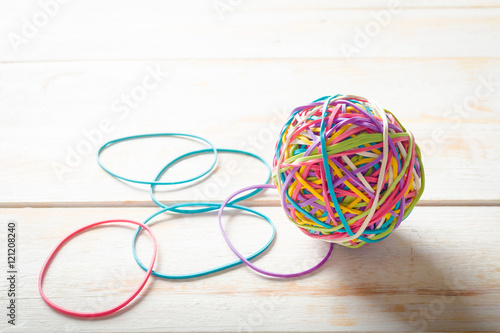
x=212, y=206
x=248, y=263
x=100, y=313
x=143, y=136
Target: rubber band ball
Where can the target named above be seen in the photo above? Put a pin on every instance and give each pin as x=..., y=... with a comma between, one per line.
x=346, y=170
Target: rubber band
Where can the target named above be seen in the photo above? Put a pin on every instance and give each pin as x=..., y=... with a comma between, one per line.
x=143, y=136
x=204, y=151
x=213, y=206
x=248, y=263
x=100, y=313
x=209, y=206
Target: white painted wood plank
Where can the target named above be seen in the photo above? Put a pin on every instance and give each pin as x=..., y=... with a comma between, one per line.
x=47, y=108
x=148, y=30
x=427, y=276
x=360, y=4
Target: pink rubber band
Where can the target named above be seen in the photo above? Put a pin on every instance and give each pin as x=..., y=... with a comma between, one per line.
x=101, y=313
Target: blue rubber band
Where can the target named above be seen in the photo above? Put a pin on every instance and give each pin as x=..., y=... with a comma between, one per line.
x=324, y=158
x=214, y=205
x=208, y=206
x=203, y=151
x=143, y=136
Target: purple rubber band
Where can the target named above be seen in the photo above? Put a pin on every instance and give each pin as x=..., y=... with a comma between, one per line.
x=248, y=263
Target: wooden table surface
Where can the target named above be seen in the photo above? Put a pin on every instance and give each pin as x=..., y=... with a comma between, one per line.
x=74, y=74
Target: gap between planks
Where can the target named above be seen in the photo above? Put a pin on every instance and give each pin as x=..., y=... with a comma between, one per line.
x=264, y=203
x=355, y=58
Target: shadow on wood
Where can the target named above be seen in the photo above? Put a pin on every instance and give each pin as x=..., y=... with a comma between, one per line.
x=400, y=280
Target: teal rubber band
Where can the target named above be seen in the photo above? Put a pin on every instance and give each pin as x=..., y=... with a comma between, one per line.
x=143, y=136
x=204, y=151
x=215, y=205
x=326, y=166
x=208, y=206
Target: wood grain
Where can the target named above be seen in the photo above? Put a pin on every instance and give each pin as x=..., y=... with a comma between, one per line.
x=148, y=30
x=47, y=109
x=427, y=275
x=231, y=75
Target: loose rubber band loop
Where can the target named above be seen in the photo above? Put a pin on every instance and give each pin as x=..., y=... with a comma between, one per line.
x=143, y=136
x=100, y=313
x=208, y=206
x=248, y=263
x=213, y=206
